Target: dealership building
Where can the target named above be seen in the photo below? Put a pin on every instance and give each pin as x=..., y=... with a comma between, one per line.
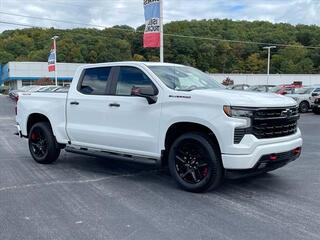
x=18, y=74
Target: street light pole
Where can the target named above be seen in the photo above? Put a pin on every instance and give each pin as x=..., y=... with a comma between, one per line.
x=54, y=38
x=269, y=56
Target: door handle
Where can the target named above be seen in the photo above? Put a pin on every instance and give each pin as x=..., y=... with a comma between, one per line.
x=74, y=103
x=114, y=105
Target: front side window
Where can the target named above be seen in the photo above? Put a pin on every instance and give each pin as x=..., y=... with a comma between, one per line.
x=183, y=78
x=129, y=78
x=317, y=90
x=94, y=81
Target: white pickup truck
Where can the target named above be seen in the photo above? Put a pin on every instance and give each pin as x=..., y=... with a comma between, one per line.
x=168, y=114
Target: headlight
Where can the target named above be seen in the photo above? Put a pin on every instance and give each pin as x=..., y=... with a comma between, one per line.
x=239, y=112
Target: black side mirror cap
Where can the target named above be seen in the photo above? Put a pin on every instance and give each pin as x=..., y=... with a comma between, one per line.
x=315, y=94
x=147, y=92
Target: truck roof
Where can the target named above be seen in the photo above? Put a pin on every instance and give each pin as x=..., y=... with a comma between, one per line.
x=130, y=63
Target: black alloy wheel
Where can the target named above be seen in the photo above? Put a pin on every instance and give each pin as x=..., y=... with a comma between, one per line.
x=42, y=143
x=304, y=107
x=39, y=144
x=194, y=163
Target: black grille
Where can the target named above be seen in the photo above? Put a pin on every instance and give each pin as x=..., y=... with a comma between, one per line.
x=271, y=123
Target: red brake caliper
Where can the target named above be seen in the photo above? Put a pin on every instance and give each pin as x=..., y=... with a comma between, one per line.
x=34, y=136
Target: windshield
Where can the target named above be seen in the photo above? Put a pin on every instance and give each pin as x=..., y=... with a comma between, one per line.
x=182, y=78
x=303, y=90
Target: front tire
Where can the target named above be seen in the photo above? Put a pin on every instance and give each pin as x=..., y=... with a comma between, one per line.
x=42, y=143
x=194, y=163
x=304, y=107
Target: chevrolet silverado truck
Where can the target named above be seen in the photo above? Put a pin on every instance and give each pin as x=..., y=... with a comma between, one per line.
x=168, y=114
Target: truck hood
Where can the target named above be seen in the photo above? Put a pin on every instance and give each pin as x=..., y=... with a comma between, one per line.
x=244, y=98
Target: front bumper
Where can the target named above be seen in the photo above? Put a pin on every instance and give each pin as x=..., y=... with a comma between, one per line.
x=266, y=163
x=270, y=146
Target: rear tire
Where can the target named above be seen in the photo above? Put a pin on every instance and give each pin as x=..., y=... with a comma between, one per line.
x=304, y=107
x=194, y=163
x=42, y=143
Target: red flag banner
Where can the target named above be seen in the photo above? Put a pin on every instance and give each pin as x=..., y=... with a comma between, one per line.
x=151, y=38
x=52, y=60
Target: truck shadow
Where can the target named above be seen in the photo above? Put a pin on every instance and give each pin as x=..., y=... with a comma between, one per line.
x=160, y=177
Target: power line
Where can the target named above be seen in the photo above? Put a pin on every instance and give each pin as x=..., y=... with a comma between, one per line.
x=171, y=35
x=244, y=42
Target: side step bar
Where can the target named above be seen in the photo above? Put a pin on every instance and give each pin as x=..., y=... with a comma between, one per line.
x=119, y=156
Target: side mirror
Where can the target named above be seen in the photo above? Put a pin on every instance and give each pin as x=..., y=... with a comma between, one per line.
x=315, y=94
x=148, y=92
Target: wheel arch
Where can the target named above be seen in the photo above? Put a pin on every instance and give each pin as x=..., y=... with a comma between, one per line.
x=34, y=118
x=178, y=128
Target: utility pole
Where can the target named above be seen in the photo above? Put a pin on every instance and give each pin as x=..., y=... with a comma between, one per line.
x=269, y=56
x=54, y=38
x=161, y=32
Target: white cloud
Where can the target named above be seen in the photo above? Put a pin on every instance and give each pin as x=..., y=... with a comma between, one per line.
x=130, y=12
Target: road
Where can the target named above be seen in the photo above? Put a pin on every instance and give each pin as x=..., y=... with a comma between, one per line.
x=82, y=197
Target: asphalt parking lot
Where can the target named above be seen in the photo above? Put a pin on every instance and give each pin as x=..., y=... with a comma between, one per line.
x=82, y=197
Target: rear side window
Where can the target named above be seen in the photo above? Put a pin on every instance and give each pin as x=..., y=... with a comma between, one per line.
x=130, y=77
x=94, y=81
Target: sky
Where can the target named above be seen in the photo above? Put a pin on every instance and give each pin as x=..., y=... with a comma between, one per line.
x=107, y=13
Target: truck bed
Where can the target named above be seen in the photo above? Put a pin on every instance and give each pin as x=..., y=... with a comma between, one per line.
x=52, y=105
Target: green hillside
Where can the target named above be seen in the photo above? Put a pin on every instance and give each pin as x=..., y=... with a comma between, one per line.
x=124, y=43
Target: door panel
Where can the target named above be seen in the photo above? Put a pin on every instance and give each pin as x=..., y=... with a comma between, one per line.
x=87, y=107
x=134, y=125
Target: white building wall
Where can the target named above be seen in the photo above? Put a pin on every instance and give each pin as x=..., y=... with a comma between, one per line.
x=274, y=79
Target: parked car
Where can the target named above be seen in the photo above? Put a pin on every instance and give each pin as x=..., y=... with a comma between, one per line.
x=260, y=88
x=316, y=105
x=63, y=89
x=49, y=88
x=166, y=114
x=4, y=89
x=239, y=87
x=304, y=97
x=285, y=89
